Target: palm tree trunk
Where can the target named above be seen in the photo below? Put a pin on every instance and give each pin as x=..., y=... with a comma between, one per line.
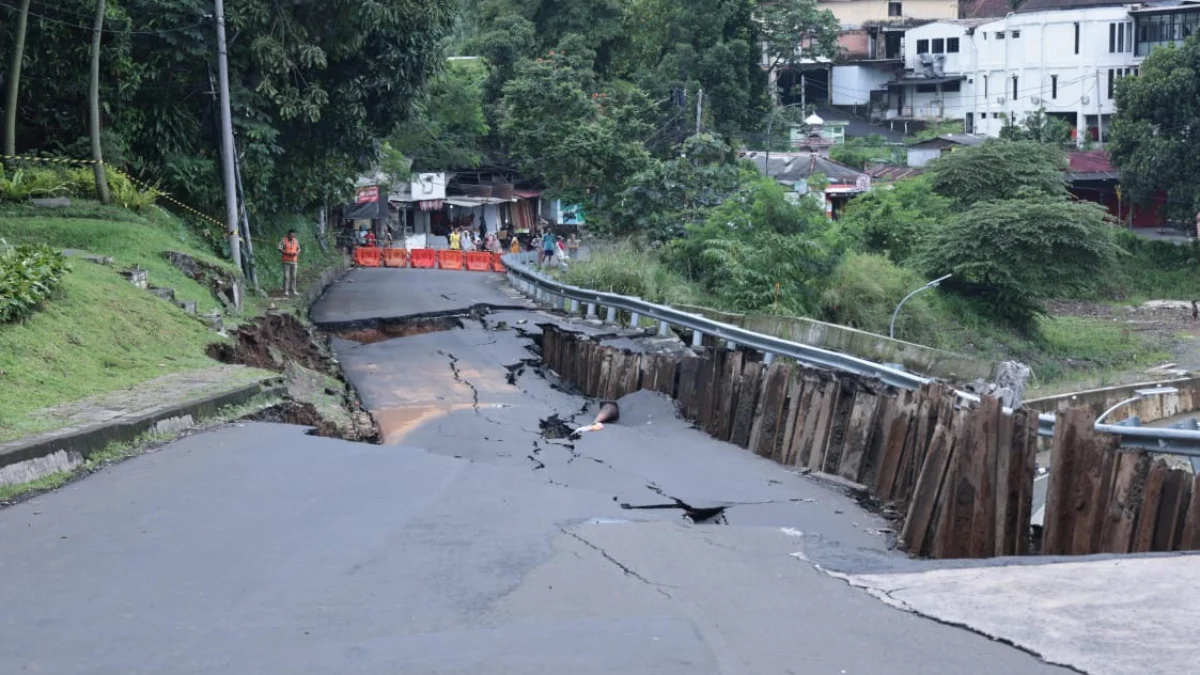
x=94, y=105
x=14, y=80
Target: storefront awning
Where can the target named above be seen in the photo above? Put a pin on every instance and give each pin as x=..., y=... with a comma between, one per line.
x=433, y=205
x=475, y=202
x=528, y=194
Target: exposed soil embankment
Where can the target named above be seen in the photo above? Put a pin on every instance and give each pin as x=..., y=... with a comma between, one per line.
x=317, y=394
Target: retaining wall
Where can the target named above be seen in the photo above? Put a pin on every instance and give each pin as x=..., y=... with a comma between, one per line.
x=916, y=358
x=1149, y=409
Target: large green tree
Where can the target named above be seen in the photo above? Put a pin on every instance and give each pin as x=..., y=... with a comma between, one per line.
x=795, y=31
x=1153, y=137
x=314, y=85
x=448, y=128
x=997, y=170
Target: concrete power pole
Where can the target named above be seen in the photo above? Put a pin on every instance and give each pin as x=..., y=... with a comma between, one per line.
x=227, y=170
x=699, y=109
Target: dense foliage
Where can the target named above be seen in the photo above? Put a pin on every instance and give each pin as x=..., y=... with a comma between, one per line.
x=28, y=276
x=895, y=220
x=1152, y=138
x=313, y=84
x=1014, y=254
x=999, y=170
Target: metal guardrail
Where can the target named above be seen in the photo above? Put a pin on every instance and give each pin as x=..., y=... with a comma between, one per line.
x=1175, y=441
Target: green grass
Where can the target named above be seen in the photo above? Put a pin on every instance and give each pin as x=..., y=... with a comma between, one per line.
x=626, y=270
x=130, y=239
x=97, y=335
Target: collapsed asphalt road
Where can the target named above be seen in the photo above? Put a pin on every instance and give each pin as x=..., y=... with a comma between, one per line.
x=480, y=538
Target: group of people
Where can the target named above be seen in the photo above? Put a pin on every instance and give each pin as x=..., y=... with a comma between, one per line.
x=463, y=239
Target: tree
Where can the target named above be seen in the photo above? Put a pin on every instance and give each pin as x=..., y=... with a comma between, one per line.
x=896, y=220
x=660, y=201
x=449, y=126
x=560, y=123
x=94, y=107
x=1153, y=137
x=999, y=170
x=790, y=24
x=1040, y=128
x=14, y=81
x=759, y=250
x=1014, y=254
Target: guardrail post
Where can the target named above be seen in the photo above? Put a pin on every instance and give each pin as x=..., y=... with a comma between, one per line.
x=768, y=358
x=591, y=310
x=574, y=306
x=610, y=316
x=664, y=329
x=697, y=338
x=730, y=345
x=634, y=319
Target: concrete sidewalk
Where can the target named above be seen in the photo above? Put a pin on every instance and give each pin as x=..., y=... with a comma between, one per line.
x=170, y=403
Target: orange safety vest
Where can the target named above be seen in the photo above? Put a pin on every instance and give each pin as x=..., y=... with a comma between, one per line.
x=290, y=250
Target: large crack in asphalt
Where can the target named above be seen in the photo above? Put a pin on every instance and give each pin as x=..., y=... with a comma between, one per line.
x=462, y=380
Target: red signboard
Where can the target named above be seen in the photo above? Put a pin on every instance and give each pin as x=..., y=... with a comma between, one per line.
x=367, y=194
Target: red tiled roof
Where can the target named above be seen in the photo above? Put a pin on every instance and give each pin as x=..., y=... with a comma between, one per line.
x=1091, y=161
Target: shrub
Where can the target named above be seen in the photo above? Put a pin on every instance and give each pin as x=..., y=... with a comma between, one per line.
x=28, y=275
x=626, y=270
x=999, y=170
x=895, y=220
x=864, y=291
x=1012, y=255
x=57, y=181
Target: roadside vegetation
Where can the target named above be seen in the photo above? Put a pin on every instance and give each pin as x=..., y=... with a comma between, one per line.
x=1013, y=243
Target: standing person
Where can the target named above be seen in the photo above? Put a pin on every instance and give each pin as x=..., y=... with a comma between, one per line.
x=455, y=240
x=467, y=240
x=289, y=251
x=515, y=246
x=549, y=246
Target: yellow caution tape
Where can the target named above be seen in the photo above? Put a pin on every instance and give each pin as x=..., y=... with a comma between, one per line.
x=143, y=184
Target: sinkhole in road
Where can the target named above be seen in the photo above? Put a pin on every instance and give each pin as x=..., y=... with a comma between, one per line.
x=390, y=329
x=302, y=413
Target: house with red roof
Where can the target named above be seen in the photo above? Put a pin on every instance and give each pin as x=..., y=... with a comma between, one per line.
x=1091, y=176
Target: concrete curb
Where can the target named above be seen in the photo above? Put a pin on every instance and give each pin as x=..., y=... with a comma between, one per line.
x=92, y=438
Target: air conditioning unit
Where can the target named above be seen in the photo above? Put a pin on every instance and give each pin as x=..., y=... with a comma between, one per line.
x=1000, y=100
x=1035, y=100
x=1085, y=100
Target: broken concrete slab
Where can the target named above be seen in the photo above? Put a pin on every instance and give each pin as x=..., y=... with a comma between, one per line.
x=1127, y=616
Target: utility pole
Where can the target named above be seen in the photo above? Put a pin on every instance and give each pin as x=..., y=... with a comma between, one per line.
x=231, y=208
x=1099, y=117
x=803, y=91
x=699, y=109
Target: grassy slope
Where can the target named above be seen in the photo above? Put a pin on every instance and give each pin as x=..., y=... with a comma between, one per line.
x=130, y=239
x=100, y=333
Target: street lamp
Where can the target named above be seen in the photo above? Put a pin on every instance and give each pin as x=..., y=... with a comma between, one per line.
x=933, y=284
x=770, y=124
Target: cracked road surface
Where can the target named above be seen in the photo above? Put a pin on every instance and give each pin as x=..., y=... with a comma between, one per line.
x=476, y=539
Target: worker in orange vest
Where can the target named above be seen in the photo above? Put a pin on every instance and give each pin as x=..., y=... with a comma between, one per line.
x=289, y=249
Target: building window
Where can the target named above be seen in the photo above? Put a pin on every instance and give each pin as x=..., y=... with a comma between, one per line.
x=1015, y=96
x=951, y=87
x=895, y=9
x=1112, y=38
x=926, y=88
x=1053, y=86
x=1111, y=78
x=1016, y=34
x=939, y=46
x=1076, y=37
x=1000, y=35
x=922, y=46
x=952, y=45
x=1129, y=36
x=985, y=91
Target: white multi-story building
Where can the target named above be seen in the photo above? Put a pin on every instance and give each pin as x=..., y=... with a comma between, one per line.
x=1052, y=54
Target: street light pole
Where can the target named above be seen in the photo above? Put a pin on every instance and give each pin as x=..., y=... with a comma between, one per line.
x=933, y=284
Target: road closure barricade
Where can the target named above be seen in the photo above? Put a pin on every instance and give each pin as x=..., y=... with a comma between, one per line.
x=423, y=258
x=367, y=256
x=479, y=261
x=395, y=257
x=450, y=260
x=498, y=264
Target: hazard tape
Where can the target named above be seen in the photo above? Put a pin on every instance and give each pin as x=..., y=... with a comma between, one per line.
x=136, y=181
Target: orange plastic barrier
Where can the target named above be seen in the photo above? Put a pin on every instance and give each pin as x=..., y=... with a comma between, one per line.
x=366, y=256
x=450, y=260
x=479, y=261
x=497, y=264
x=423, y=258
x=395, y=257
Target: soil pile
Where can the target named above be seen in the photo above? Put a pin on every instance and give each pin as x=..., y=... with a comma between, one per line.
x=271, y=342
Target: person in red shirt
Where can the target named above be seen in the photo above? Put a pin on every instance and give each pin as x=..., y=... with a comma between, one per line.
x=289, y=251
